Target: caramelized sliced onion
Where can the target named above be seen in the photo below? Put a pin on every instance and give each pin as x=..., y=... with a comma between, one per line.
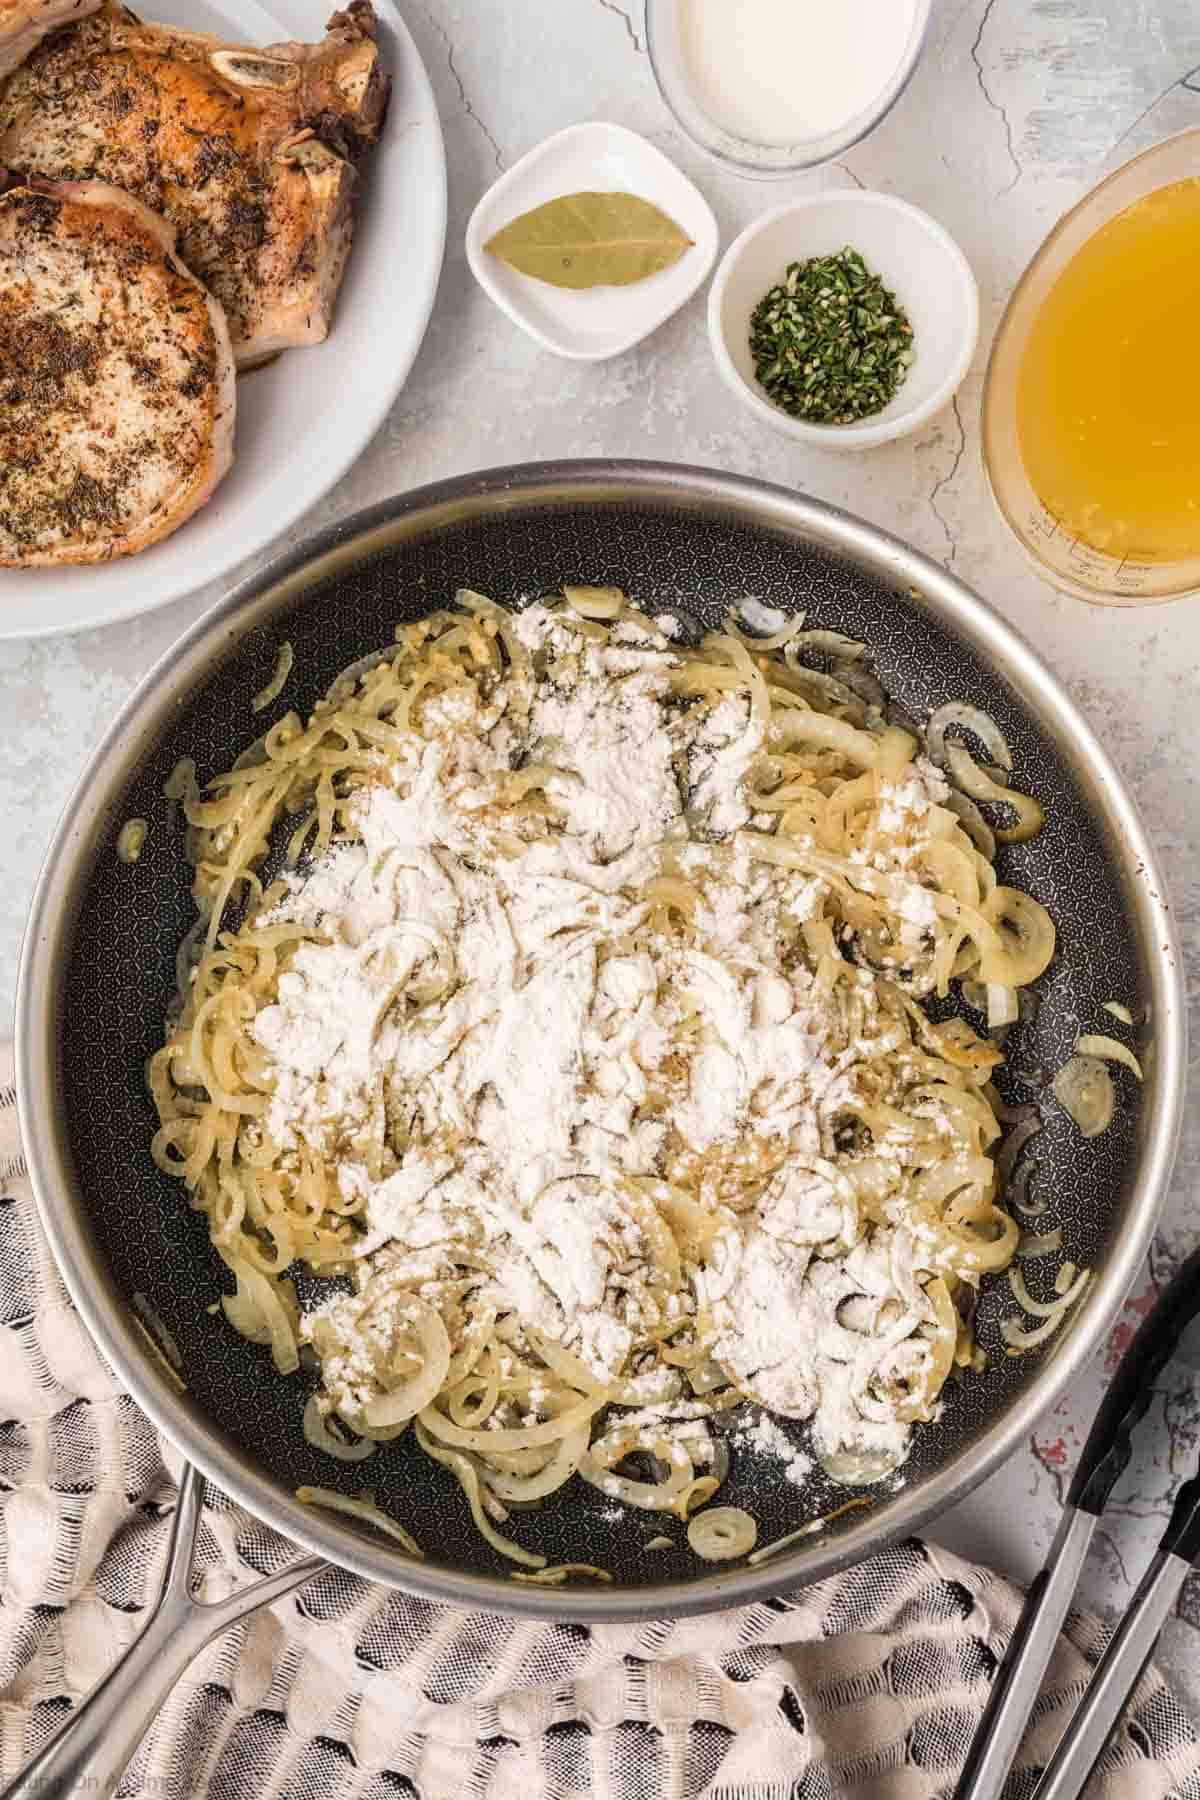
x=130, y=840
x=154, y=1323
x=859, y=1468
x=257, y=1312
x=1044, y=1309
x=1026, y=938
x=667, y=1495
x=274, y=687
x=1001, y=1005
x=168, y=1368
x=969, y=718
x=1018, y=1338
x=975, y=782
x=468, y=1479
x=401, y=1403
x=1109, y=1050
x=560, y=1573
x=1017, y=1193
x=1013, y=1145
x=1040, y=1243
x=830, y=643
x=317, y=1431
x=594, y=602
x=181, y=783
x=359, y=1509
x=721, y=1533
x=973, y=823
x=1083, y=1088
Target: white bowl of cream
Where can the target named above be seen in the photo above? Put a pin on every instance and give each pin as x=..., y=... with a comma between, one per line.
x=771, y=86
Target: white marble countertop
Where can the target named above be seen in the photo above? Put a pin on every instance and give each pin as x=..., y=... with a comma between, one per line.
x=1014, y=111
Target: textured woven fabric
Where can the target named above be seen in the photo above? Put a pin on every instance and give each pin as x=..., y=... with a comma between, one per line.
x=869, y=1684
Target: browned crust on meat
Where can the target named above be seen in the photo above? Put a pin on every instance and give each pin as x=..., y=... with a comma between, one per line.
x=24, y=23
x=250, y=153
x=116, y=377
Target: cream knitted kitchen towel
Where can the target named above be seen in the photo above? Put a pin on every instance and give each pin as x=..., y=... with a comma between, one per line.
x=866, y=1685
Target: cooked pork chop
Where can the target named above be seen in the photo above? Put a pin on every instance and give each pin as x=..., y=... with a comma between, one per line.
x=24, y=23
x=249, y=153
x=116, y=376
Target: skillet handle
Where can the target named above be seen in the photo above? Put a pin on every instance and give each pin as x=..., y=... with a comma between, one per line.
x=89, y=1753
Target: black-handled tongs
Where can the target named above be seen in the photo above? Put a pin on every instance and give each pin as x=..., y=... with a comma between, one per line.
x=1174, y=1318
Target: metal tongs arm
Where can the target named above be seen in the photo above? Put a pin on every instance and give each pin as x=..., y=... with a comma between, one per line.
x=1105, y=1455
x=1120, y=1668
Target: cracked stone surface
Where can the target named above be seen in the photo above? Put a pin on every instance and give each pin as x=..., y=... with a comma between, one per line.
x=1017, y=108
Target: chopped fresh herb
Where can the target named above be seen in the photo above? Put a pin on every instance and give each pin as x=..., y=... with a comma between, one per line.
x=830, y=343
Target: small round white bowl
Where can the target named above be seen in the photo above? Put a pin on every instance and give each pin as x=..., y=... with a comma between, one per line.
x=669, y=63
x=913, y=255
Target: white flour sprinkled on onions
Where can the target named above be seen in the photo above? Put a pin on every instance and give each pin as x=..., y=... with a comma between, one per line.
x=588, y=1045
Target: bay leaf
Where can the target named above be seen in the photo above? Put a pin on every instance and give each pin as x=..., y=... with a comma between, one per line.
x=591, y=240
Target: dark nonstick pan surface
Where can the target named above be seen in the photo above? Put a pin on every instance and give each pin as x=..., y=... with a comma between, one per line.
x=99, y=973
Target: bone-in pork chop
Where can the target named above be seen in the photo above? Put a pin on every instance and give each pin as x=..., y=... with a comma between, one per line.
x=249, y=153
x=24, y=23
x=116, y=376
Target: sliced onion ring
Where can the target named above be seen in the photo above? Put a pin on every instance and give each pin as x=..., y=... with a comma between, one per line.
x=321, y=1438
x=1016, y=1195
x=979, y=785
x=1045, y=1309
x=359, y=1509
x=279, y=675
x=1001, y=1005
x=399, y=1405
x=1040, y=1243
x=1109, y=1050
x=859, y=1468
x=1018, y=1338
x=607, y=1452
x=1025, y=938
x=594, y=602
x=1013, y=1145
x=130, y=840
x=810, y=1530
x=559, y=1574
x=517, y=1489
x=970, y=718
x=468, y=1479
x=257, y=1312
x=973, y=823
x=722, y=1533
x=1083, y=1088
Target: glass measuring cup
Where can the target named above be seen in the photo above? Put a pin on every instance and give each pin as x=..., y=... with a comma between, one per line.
x=1060, y=557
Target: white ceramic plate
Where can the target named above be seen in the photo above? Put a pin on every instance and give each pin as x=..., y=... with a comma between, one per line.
x=302, y=420
x=590, y=324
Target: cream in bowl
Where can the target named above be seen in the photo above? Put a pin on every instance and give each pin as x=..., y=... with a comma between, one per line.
x=771, y=86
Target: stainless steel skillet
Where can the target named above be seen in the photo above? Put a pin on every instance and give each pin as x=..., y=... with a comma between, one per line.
x=98, y=967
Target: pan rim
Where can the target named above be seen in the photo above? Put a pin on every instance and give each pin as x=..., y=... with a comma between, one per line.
x=62, y=1206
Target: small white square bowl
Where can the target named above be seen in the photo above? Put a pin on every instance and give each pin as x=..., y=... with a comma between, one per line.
x=590, y=324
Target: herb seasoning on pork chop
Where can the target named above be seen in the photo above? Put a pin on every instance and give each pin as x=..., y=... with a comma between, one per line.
x=250, y=153
x=116, y=376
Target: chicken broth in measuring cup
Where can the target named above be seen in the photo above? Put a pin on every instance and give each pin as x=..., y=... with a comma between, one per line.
x=1108, y=392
